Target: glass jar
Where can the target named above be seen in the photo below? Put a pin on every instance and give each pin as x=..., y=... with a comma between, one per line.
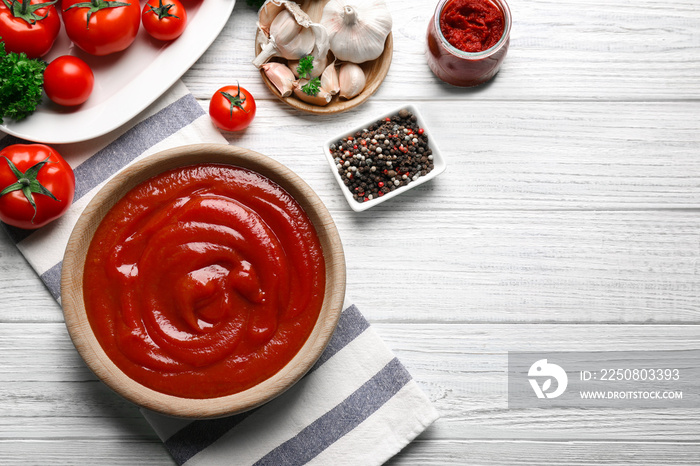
x=460, y=68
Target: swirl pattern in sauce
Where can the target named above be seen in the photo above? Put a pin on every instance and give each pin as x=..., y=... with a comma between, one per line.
x=204, y=281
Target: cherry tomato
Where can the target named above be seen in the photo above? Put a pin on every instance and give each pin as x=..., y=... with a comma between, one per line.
x=164, y=20
x=232, y=108
x=36, y=185
x=26, y=28
x=102, y=27
x=68, y=80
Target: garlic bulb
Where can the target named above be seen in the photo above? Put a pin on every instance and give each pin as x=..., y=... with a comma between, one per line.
x=284, y=30
x=352, y=80
x=358, y=30
x=280, y=76
x=329, y=79
x=322, y=98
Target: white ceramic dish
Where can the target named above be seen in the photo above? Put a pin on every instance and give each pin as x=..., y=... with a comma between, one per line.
x=438, y=161
x=126, y=82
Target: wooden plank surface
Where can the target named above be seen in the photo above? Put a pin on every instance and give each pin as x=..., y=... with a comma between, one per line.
x=567, y=220
x=50, y=396
x=489, y=266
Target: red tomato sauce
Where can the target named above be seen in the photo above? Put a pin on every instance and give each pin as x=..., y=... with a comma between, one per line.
x=472, y=25
x=204, y=281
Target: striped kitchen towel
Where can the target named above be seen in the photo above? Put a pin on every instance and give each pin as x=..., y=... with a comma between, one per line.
x=357, y=405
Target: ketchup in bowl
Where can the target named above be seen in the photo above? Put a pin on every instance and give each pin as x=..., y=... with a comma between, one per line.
x=468, y=40
x=204, y=280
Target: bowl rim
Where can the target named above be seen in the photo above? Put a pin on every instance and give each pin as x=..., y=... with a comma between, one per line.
x=73, y=267
x=438, y=159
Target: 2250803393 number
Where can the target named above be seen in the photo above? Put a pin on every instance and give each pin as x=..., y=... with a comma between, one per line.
x=639, y=374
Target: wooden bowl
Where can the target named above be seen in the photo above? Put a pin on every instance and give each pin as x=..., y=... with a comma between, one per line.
x=375, y=72
x=74, y=260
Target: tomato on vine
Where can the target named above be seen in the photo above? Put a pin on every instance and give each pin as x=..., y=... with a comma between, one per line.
x=37, y=185
x=29, y=26
x=232, y=108
x=164, y=21
x=101, y=27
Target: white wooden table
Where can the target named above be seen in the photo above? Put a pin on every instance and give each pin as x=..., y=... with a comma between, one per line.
x=567, y=220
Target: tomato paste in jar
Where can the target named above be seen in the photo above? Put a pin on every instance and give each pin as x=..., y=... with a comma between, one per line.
x=468, y=40
x=204, y=281
x=472, y=25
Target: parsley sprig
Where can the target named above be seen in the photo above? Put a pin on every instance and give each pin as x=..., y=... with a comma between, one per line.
x=305, y=66
x=313, y=87
x=21, y=84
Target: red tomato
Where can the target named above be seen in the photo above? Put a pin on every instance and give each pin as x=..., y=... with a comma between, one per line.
x=26, y=28
x=232, y=108
x=68, y=80
x=164, y=21
x=110, y=28
x=34, y=173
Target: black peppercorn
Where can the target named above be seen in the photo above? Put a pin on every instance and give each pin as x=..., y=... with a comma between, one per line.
x=395, y=151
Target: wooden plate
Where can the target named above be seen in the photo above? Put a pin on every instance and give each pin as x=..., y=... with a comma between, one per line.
x=74, y=263
x=375, y=72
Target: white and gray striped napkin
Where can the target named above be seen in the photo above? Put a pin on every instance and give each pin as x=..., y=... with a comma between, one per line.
x=357, y=405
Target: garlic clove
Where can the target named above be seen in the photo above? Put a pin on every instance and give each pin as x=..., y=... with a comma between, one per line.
x=291, y=40
x=267, y=14
x=320, y=51
x=271, y=8
x=330, y=80
x=358, y=30
x=321, y=99
x=284, y=30
x=352, y=80
x=280, y=76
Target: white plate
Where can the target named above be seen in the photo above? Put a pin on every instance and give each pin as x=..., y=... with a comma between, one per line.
x=126, y=82
x=438, y=161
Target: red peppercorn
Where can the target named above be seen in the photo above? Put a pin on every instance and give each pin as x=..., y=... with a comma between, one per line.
x=420, y=131
x=380, y=184
x=355, y=146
